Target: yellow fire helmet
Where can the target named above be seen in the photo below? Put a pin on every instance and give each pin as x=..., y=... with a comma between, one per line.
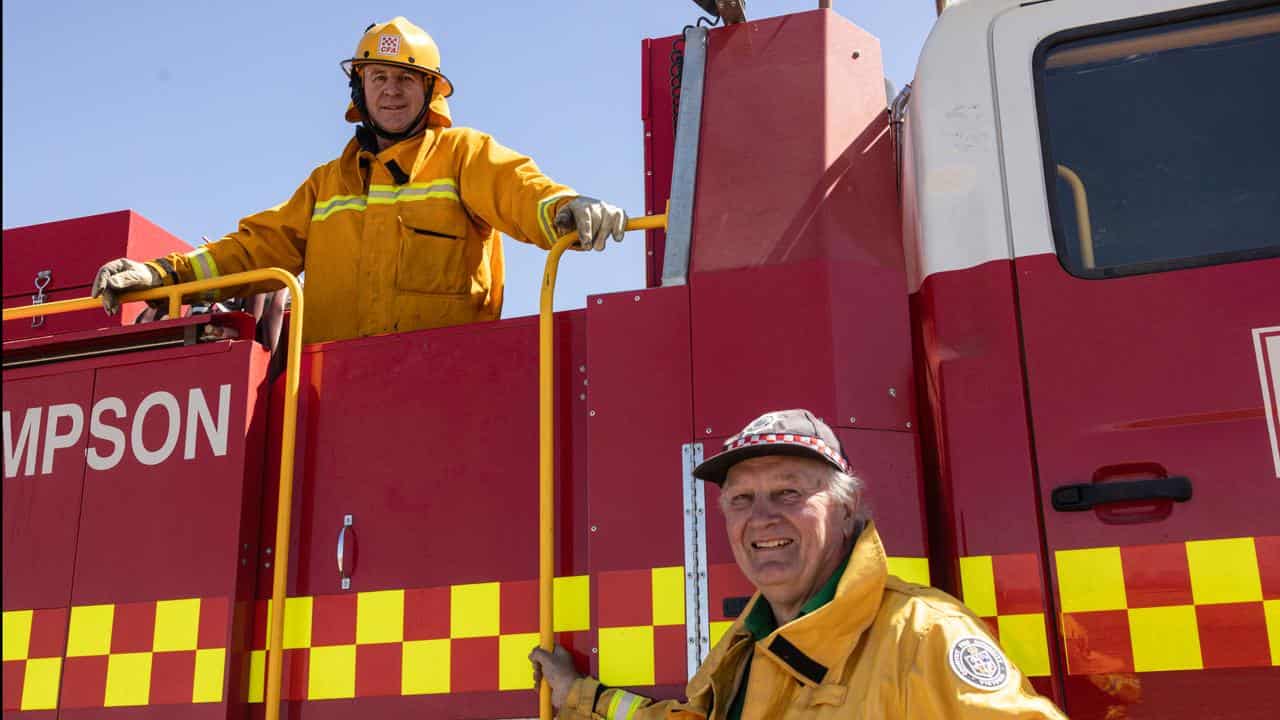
x=400, y=42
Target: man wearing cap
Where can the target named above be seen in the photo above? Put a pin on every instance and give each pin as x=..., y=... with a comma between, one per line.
x=402, y=232
x=829, y=634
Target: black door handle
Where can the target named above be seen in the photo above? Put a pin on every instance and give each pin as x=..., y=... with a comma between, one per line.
x=1084, y=496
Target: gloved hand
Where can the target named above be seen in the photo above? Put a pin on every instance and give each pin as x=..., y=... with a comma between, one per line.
x=595, y=220
x=120, y=276
x=556, y=668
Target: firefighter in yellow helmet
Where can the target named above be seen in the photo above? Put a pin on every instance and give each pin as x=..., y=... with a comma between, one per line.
x=402, y=231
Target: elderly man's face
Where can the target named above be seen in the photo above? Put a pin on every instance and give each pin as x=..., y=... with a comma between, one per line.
x=787, y=532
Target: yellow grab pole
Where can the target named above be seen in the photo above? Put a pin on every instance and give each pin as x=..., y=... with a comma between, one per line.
x=546, y=443
x=1083, y=227
x=284, y=508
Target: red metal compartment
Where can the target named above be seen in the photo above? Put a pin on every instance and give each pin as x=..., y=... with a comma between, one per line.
x=42, y=494
x=168, y=451
x=657, y=63
x=797, y=267
x=638, y=387
x=70, y=251
x=428, y=440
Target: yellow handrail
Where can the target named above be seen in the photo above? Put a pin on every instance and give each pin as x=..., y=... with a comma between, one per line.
x=284, y=508
x=1083, y=227
x=546, y=443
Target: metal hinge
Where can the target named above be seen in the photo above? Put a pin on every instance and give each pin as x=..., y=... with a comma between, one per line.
x=697, y=620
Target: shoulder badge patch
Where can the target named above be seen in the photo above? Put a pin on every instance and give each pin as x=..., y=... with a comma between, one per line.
x=979, y=663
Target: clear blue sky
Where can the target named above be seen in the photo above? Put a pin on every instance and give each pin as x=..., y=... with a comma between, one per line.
x=195, y=114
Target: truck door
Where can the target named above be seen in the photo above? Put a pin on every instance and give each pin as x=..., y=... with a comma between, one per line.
x=1142, y=171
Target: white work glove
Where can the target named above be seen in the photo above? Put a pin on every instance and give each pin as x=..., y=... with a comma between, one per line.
x=120, y=276
x=595, y=220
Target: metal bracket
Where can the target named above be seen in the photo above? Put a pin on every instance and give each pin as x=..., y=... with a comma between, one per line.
x=684, y=171
x=697, y=618
x=43, y=279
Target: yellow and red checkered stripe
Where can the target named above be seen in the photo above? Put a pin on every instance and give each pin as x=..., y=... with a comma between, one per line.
x=116, y=655
x=457, y=638
x=419, y=641
x=1175, y=606
x=1005, y=591
x=641, y=635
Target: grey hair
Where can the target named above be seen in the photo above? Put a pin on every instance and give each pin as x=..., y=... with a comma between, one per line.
x=848, y=490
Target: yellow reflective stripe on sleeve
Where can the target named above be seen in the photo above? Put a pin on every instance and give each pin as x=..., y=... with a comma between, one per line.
x=545, y=217
x=202, y=262
x=205, y=268
x=623, y=705
x=336, y=204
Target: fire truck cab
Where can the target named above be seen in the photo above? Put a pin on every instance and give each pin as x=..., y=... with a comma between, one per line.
x=1035, y=294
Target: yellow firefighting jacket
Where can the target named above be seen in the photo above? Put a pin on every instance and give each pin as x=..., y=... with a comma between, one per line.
x=384, y=253
x=881, y=648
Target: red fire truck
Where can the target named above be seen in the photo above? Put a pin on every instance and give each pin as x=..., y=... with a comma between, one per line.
x=1037, y=294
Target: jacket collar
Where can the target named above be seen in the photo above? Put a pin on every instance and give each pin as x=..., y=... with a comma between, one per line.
x=411, y=152
x=819, y=642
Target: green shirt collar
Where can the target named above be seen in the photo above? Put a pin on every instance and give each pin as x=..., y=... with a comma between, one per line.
x=761, y=623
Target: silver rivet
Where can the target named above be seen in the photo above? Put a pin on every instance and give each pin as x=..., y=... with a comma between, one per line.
x=594, y=528
x=582, y=396
x=893, y=392
x=584, y=382
x=648, y=134
x=595, y=650
x=267, y=563
x=599, y=301
x=908, y=424
x=268, y=551
x=636, y=298
x=582, y=368
x=243, y=562
x=707, y=431
x=592, y=413
x=853, y=420
x=650, y=253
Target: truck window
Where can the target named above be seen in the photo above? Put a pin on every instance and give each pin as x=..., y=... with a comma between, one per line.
x=1161, y=144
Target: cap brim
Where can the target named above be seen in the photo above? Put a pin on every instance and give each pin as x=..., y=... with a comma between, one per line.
x=716, y=469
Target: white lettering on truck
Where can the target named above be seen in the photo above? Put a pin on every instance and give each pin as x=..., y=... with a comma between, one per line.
x=64, y=424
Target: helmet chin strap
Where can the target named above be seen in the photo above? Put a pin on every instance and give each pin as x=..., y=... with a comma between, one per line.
x=358, y=99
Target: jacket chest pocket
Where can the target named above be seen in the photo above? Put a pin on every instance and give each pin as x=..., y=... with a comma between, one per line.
x=435, y=248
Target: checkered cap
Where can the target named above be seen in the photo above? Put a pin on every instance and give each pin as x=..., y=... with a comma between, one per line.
x=781, y=432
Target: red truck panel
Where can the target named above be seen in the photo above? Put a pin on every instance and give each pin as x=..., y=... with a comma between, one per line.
x=95, y=239
x=640, y=416
x=798, y=289
x=1138, y=378
x=72, y=250
x=656, y=110
x=167, y=446
x=43, y=483
x=63, y=323
x=429, y=441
